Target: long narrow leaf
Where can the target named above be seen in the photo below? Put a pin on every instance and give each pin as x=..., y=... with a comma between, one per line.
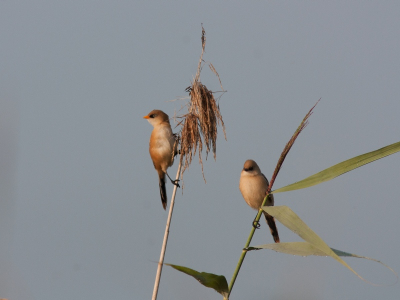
x=306, y=249
x=316, y=246
x=216, y=282
x=341, y=168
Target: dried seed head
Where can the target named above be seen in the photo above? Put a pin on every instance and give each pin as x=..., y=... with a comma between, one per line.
x=199, y=125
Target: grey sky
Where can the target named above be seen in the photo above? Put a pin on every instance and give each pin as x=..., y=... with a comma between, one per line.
x=80, y=211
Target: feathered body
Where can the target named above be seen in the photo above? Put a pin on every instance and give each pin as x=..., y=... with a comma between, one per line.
x=253, y=185
x=162, y=148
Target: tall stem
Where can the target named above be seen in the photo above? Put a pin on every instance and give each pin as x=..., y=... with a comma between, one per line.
x=164, y=245
x=244, y=251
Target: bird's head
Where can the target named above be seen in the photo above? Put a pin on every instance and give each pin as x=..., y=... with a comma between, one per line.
x=156, y=117
x=250, y=168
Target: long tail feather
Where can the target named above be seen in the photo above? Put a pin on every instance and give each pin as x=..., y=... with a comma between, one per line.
x=272, y=227
x=163, y=190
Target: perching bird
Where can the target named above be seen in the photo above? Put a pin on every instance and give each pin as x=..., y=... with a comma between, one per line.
x=253, y=185
x=163, y=148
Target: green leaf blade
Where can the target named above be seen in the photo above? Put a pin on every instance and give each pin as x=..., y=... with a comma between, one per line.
x=314, y=245
x=292, y=221
x=293, y=248
x=341, y=168
x=216, y=282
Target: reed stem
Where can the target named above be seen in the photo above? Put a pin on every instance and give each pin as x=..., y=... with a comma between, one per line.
x=164, y=245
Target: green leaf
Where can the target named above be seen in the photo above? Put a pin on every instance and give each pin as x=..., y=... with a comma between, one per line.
x=314, y=245
x=293, y=248
x=341, y=168
x=216, y=282
x=307, y=249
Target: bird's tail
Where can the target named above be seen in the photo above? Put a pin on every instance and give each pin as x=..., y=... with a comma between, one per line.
x=272, y=226
x=163, y=190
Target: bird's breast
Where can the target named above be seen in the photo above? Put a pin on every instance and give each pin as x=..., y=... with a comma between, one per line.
x=253, y=189
x=161, y=147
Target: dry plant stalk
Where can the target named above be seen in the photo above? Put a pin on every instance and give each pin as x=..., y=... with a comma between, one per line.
x=199, y=125
x=289, y=145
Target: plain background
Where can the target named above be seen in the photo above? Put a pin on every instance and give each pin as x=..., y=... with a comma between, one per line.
x=80, y=213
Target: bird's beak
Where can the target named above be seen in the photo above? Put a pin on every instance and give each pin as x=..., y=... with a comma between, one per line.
x=146, y=117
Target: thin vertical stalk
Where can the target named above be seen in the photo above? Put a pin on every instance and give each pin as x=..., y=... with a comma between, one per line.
x=285, y=151
x=244, y=251
x=164, y=245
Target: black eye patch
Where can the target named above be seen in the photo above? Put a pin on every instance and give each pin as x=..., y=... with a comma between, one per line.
x=153, y=116
x=249, y=169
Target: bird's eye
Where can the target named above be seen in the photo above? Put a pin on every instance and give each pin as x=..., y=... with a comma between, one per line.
x=250, y=169
x=153, y=116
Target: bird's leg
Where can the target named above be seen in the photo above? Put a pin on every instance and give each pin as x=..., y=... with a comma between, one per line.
x=174, y=182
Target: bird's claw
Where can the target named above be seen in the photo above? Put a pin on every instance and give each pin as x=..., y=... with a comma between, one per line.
x=256, y=224
x=175, y=182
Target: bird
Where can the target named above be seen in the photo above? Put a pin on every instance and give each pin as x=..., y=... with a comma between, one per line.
x=163, y=148
x=253, y=185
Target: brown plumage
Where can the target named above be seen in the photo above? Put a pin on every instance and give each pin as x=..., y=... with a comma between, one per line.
x=253, y=185
x=162, y=148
